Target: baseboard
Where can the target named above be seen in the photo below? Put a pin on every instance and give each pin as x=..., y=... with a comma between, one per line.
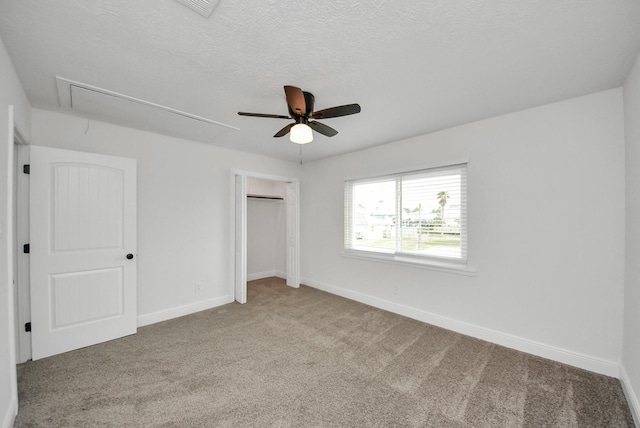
x=266, y=274
x=10, y=414
x=608, y=368
x=183, y=310
x=632, y=397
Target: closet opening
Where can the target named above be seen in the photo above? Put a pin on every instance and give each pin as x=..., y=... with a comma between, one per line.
x=266, y=230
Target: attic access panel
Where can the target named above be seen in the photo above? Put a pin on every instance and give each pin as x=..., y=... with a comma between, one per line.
x=203, y=7
x=109, y=106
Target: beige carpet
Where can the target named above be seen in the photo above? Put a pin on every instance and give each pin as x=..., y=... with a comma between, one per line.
x=305, y=358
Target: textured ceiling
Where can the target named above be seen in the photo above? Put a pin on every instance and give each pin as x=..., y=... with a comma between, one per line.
x=414, y=66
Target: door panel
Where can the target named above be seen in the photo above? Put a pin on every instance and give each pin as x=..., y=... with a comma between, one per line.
x=79, y=297
x=83, y=225
x=84, y=219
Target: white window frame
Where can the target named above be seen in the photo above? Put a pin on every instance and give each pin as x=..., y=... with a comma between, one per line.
x=431, y=262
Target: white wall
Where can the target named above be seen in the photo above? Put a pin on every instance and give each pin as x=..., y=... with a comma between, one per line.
x=266, y=247
x=266, y=233
x=184, y=232
x=11, y=94
x=631, y=341
x=262, y=187
x=546, y=231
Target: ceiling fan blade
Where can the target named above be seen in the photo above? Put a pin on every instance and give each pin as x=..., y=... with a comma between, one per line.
x=309, y=100
x=344, y=110
x=322, y=128
x=284, y=131
x=295, y=100
x=272, y=116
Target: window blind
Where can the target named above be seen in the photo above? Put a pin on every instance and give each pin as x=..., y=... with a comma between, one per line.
x=417, y=214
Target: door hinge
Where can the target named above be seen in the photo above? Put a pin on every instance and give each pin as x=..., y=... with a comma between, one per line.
x=26, y=248
x=26, y=169
x=27, y=327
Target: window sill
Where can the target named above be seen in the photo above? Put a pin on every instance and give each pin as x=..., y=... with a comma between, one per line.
x=429, y=264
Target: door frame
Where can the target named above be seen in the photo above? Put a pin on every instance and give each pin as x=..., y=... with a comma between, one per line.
x=293, y=260
x=21, y=237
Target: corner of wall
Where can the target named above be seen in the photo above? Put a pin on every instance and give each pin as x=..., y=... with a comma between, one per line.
x=11, y=413
x=630, y=366
x=632, y=397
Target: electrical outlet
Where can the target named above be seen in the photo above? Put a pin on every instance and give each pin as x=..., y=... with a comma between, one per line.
x=197, y=287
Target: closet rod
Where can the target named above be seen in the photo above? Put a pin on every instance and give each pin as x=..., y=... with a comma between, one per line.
x=275, y=198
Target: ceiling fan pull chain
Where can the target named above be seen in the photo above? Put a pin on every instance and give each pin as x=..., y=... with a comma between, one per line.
x=300, y=154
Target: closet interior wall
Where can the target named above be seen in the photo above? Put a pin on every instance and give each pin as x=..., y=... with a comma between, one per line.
x=266, y=233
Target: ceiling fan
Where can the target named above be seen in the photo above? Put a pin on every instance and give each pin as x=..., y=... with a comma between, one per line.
x=300, y=105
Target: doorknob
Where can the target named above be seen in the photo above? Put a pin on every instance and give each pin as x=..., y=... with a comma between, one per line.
x=129, y=256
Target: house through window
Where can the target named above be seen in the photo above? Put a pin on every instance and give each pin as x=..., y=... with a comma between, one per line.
x=417, y=215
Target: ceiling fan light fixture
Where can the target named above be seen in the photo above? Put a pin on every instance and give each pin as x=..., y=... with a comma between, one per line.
x=301, y=134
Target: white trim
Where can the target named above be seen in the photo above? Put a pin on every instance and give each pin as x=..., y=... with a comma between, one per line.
x=266, y=274
x=180, y=311
x=395, y=171
x=65, y=99
x=10, y=245
x=264, y=176
x=240, y=238
x=422, y=263
x=632, y=397
x=608, y=368
x=261, y=275
x=292, y=228
x=18, y=136
x=22, y=237
x=10, y=415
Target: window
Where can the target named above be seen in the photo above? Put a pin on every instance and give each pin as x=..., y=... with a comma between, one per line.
x=417, y=216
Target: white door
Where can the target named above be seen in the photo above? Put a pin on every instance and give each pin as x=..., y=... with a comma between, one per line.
x=82, y=249
x=293, y=256
x=241, y=239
